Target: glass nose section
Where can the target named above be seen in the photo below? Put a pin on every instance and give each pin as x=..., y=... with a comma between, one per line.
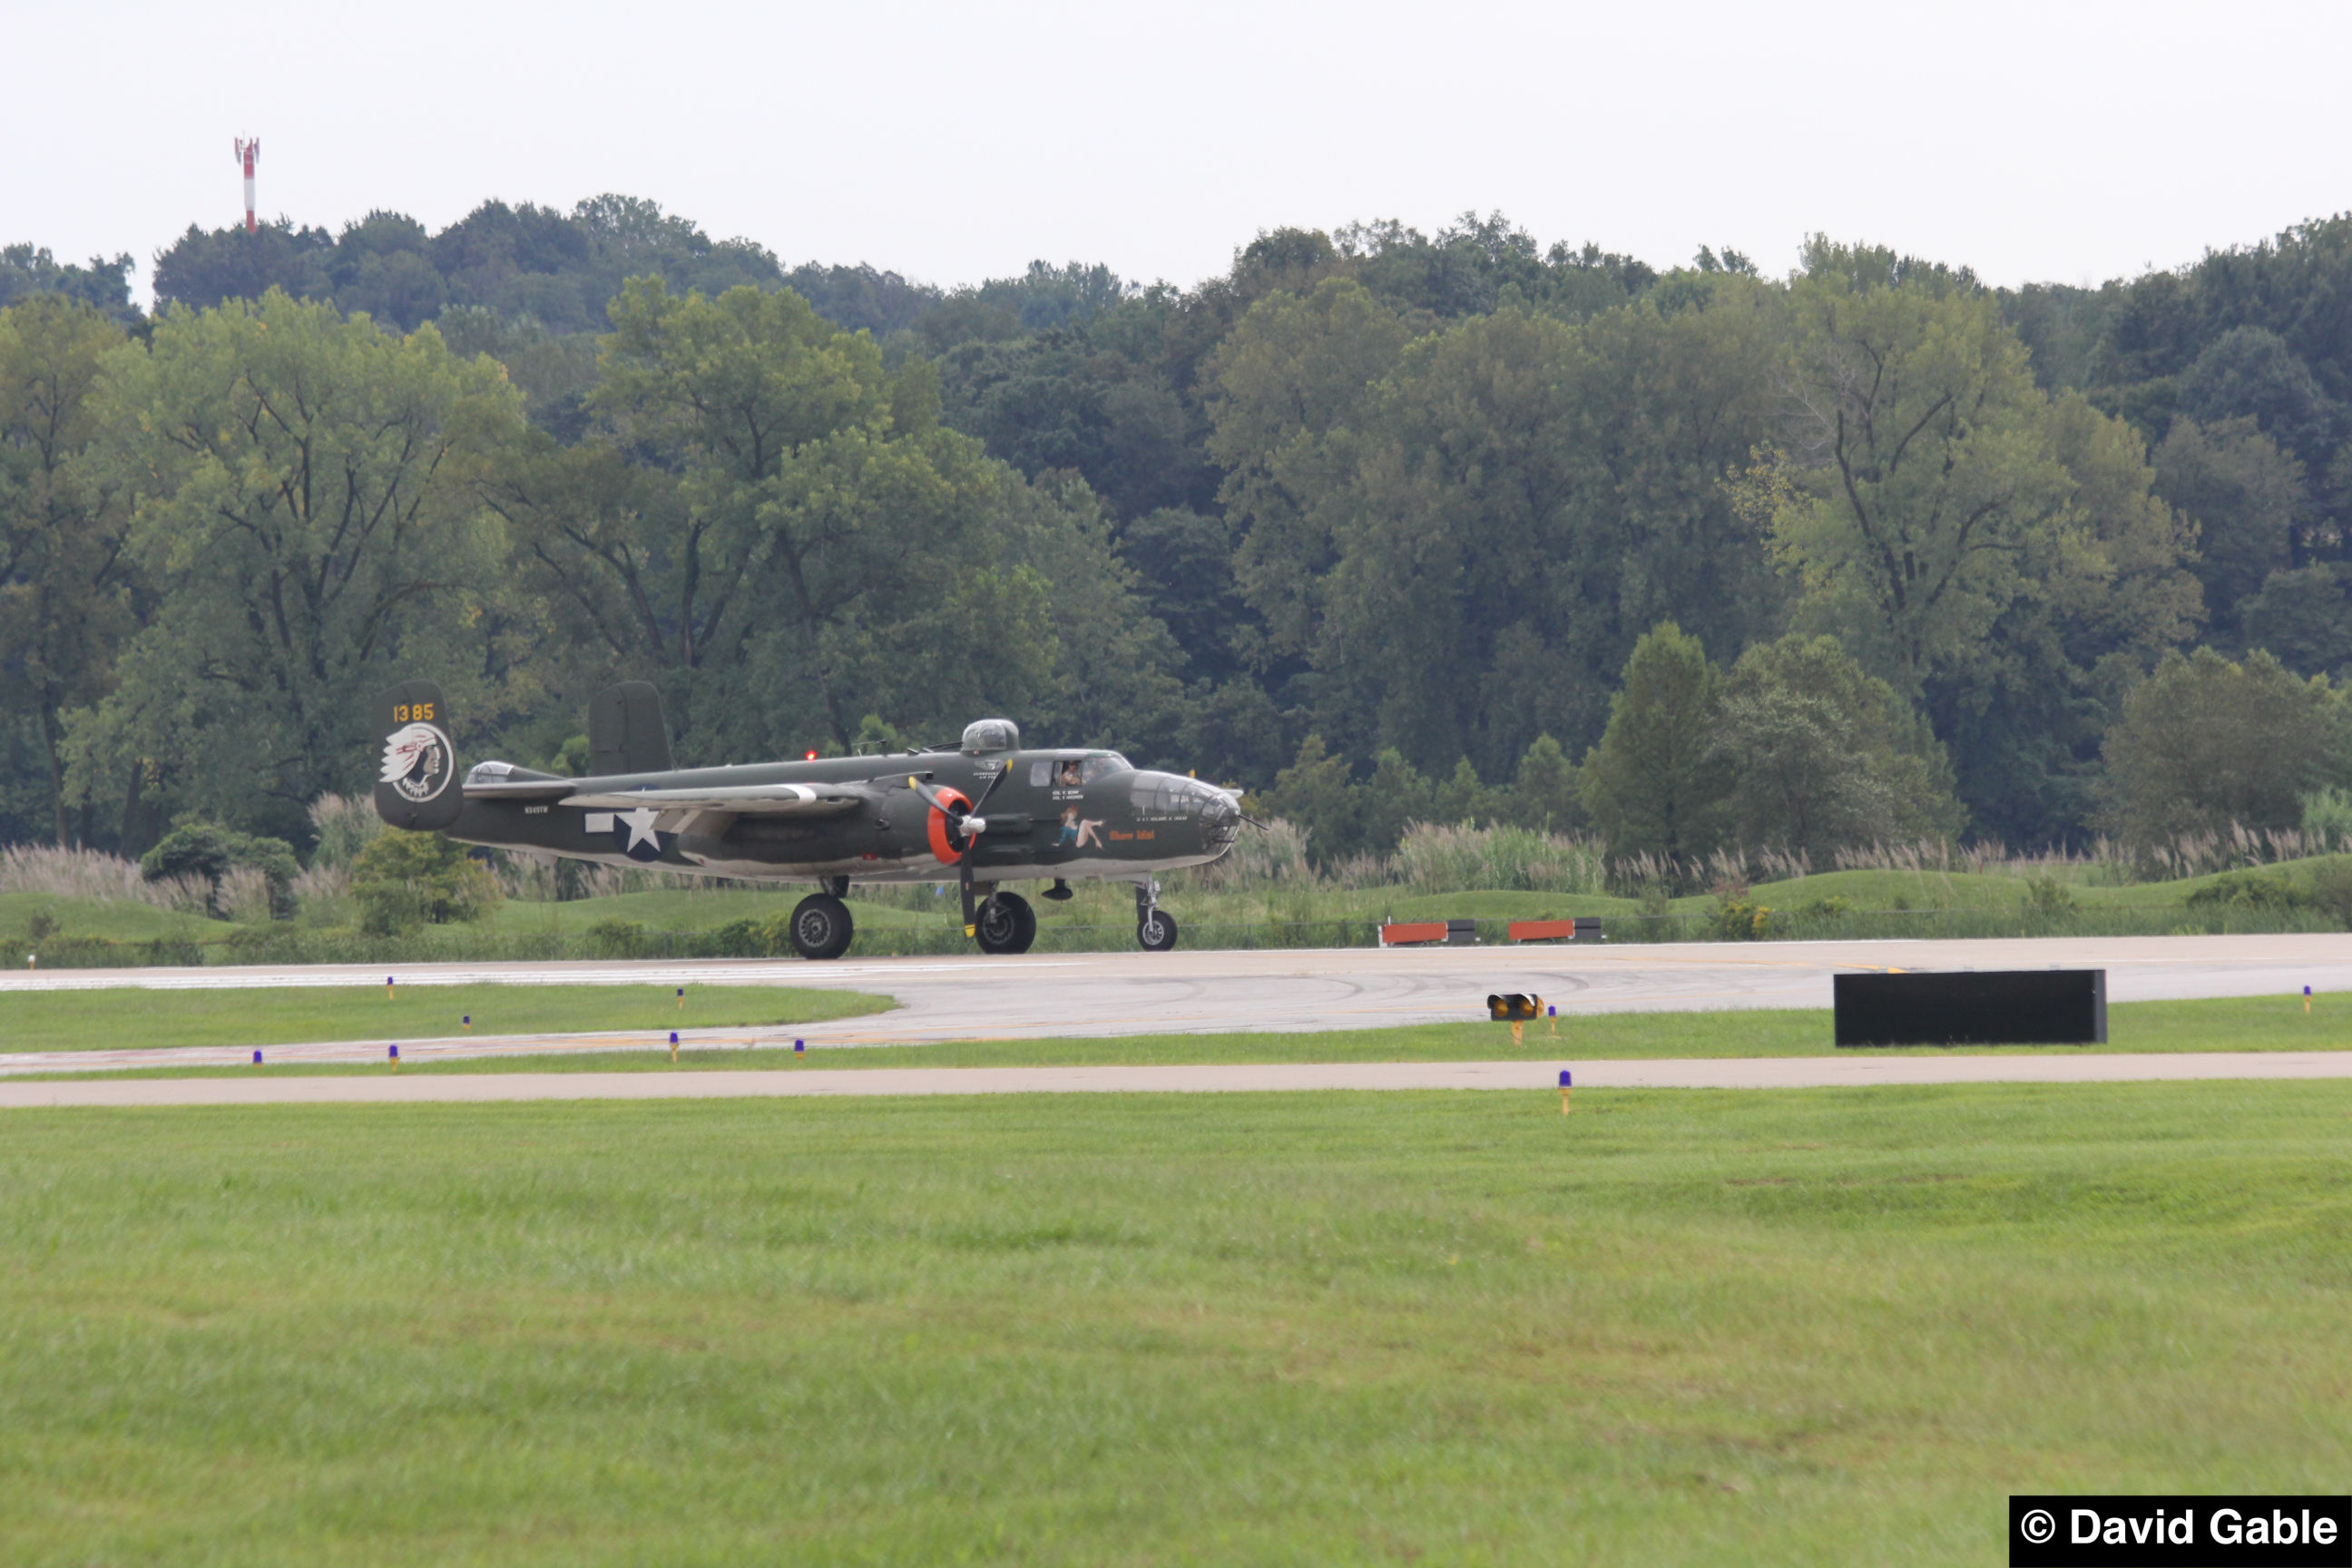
x=1171, y=795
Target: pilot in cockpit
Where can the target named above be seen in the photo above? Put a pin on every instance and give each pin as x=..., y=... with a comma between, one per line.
x=1069, y=776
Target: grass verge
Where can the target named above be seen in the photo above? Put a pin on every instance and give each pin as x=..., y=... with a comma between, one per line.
x=1679, y=1327
x=677, y=923
x=2231, y=1024
x=118, y=1018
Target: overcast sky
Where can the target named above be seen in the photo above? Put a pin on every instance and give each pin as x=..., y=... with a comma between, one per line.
x=952, y=142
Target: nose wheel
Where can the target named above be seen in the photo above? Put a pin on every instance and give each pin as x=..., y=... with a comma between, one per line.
x=1004, y=923
x=1157, y=932
x=1155, y=928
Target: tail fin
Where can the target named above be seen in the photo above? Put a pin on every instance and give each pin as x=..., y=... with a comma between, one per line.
x=627, y=732
x=416, y=766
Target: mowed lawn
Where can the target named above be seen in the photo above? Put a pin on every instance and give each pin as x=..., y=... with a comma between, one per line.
x=122, y=1017
x=1675, y=1327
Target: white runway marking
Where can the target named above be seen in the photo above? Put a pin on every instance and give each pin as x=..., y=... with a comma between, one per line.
x=1753, y=1072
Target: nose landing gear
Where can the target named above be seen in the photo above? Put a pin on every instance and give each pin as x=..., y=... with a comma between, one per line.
x=1155, y=928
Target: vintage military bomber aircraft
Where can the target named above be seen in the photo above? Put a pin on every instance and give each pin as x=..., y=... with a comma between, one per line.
x=986, y=814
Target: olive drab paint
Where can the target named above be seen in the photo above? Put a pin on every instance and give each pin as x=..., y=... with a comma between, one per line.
x=983, y=814
x=416, y=783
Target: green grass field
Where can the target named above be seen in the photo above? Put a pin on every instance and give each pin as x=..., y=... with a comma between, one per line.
x=109, y=920
x=2236, y=1024
x=1677, y=1327
x=1884, y=903
x=681, y=923
x=118, y=1018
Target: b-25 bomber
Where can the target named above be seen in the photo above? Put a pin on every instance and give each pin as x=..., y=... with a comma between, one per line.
x=985, y=812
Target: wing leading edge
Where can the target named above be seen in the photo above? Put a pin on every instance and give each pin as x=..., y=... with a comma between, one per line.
x=749, y=800
x=501, y=781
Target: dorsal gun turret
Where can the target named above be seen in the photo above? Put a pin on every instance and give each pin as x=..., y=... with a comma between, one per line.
x=987, y=737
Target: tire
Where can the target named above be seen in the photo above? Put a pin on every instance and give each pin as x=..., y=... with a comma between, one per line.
x=1007, y=925
x=1157, y=932
x=822, y=926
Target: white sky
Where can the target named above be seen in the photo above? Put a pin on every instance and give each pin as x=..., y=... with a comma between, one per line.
x=2050, y=140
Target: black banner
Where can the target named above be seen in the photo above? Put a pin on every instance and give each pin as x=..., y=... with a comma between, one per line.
x=1972, y=1007
x=2155, y=1532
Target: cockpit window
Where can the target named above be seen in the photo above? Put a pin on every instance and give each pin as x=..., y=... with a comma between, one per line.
x=1074, y=772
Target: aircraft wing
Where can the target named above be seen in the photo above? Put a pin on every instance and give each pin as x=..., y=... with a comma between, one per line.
x=748, y=800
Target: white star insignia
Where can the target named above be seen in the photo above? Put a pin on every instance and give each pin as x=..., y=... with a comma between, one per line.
x=640, y=824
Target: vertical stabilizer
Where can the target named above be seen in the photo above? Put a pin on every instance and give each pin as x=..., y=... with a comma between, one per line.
x=627, y=732
x=415, y=765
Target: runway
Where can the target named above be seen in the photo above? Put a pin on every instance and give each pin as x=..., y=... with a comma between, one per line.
x=1753, y=1072
x=1284, y=990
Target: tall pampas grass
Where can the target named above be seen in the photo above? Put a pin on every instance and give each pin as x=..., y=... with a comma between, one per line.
x=96, y=877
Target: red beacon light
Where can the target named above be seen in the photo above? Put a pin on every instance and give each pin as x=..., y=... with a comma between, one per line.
x=809, y=755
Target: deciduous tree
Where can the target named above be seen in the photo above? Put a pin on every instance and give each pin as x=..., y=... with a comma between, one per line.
x=1924, y=495
x=2204, y=745
x=308, y=502
x=1823, y=755
x=67, y=600
x=1655, y=783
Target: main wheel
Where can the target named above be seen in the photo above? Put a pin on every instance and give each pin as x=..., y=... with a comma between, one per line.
x=1157, y=932
x=822, y=926
x=1007, y=925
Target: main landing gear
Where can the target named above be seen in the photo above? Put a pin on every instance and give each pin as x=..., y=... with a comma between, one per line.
x=1155, y=928
x=1004, y=923
x=821, y=925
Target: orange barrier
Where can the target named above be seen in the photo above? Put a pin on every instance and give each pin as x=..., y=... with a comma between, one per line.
x=1584, y=927
x=1405, y=934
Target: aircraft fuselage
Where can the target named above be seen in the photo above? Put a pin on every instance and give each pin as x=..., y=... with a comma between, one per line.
x=1123, y=823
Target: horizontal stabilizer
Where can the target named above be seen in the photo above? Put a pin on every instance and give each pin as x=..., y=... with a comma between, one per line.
x=504, y=781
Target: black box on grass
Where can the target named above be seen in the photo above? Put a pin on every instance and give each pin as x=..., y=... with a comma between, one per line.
x=1984, y=1007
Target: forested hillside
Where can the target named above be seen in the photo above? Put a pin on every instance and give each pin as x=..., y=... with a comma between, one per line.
x=1377, y=523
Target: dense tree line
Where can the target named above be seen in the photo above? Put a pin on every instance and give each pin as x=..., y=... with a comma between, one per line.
x=1380, y=524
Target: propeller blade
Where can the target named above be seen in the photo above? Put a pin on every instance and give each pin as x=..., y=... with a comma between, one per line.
x=966, y=819
x=991, y=790
x=963, y=821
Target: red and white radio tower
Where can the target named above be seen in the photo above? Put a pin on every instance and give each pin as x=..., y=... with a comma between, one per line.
x=248, y=153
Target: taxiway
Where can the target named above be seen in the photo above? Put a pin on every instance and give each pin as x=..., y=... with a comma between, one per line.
x=1042, y=996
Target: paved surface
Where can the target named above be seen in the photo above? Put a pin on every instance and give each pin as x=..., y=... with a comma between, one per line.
x=1763, y=1072
x=1099, y=994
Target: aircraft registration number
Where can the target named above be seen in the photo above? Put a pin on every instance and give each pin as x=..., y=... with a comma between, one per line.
x=412, y=713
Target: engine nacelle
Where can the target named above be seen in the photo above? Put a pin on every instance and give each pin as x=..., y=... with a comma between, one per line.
x=949, y=841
